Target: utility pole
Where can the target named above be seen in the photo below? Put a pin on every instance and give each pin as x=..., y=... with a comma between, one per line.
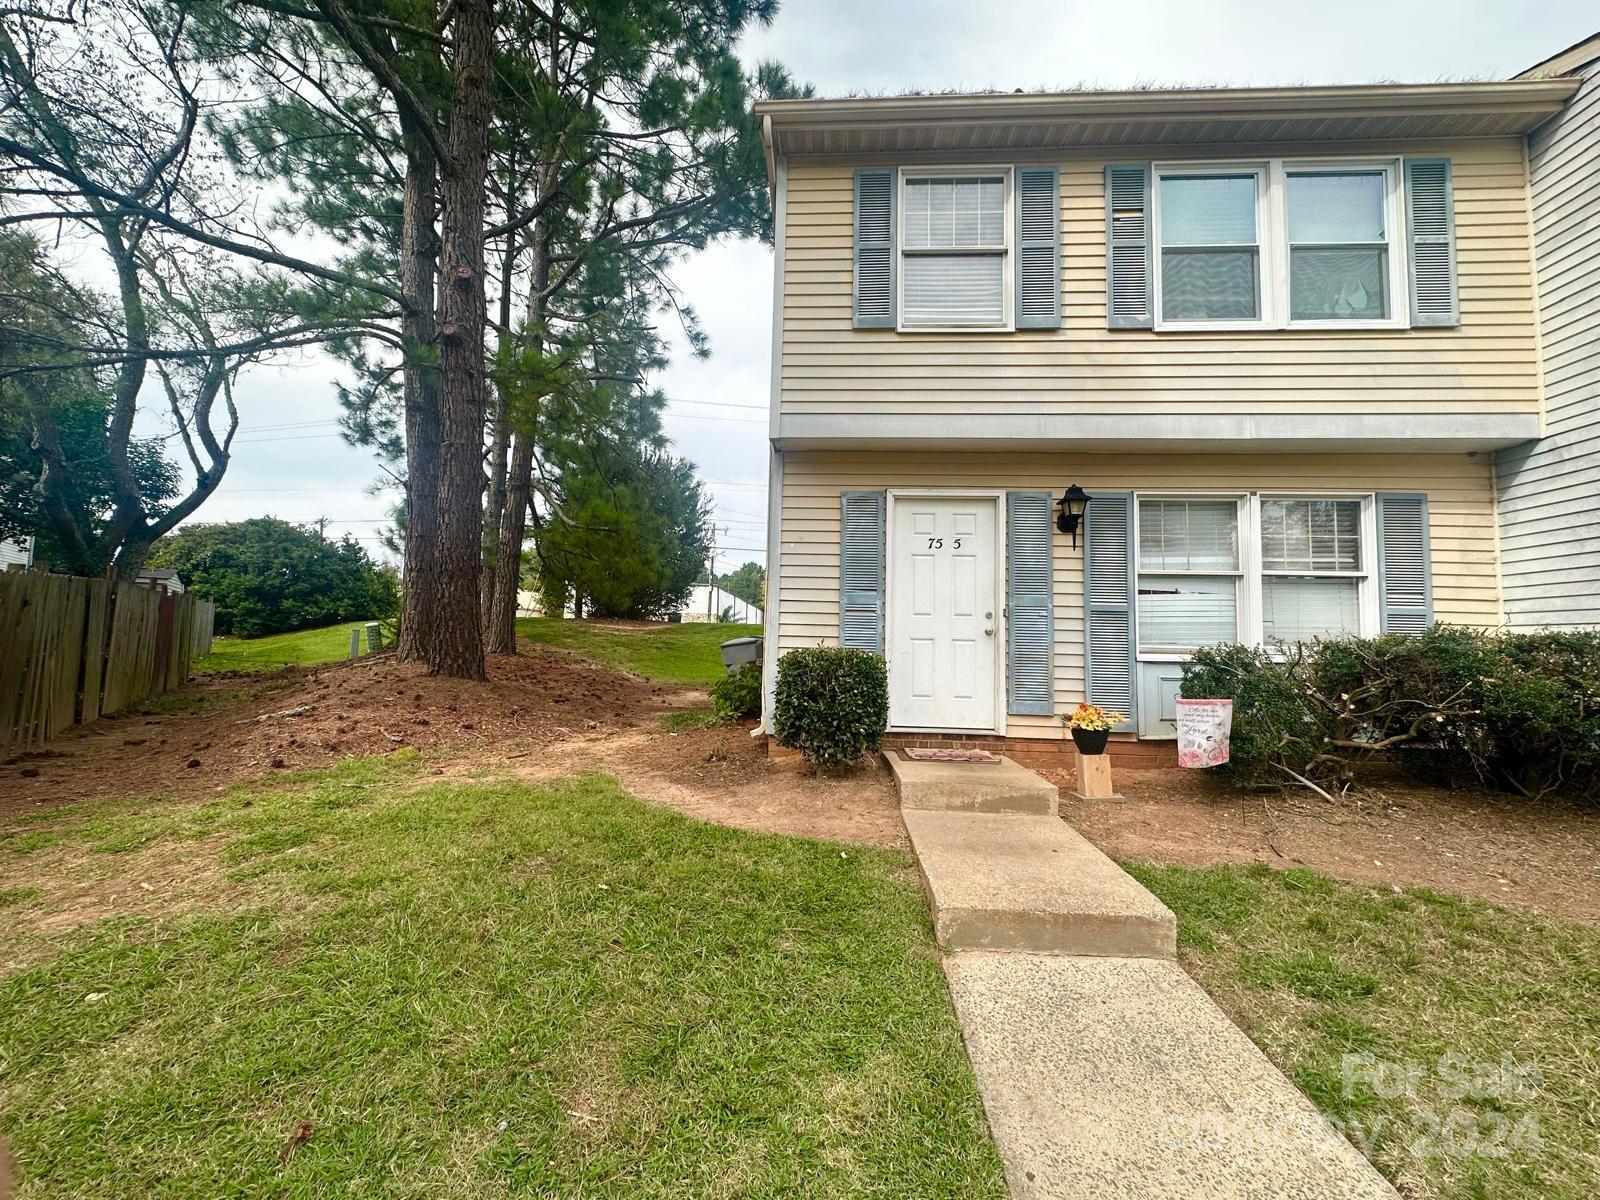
x=711, y=575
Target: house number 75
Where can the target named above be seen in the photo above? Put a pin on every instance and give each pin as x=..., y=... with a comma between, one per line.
x=937, y=543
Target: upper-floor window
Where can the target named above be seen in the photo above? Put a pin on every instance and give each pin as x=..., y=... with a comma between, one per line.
x=1210, y=246
x=955, y=243
x=1279, y=243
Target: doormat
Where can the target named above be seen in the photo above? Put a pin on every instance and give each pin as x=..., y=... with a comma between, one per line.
x=941, y=755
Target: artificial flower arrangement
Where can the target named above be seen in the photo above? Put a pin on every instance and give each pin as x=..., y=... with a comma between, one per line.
x=1093, y=718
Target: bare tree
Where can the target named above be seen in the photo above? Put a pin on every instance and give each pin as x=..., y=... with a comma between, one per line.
x=100, y=115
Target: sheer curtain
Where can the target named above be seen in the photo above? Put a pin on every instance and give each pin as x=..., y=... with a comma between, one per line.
x=1210, y=257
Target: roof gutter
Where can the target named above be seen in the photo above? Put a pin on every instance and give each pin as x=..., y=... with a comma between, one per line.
x=1190, y=104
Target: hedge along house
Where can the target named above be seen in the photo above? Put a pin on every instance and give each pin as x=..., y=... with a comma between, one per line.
x=1276, y=335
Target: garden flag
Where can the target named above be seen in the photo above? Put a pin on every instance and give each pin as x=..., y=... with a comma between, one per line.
x=1203, y=729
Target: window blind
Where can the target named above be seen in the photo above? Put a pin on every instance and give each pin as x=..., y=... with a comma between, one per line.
x=1311, y=535
x=941, y=213
x=1188, y=535
x=1297, y=608
x=954, y=289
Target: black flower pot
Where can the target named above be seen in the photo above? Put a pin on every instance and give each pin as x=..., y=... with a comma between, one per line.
x=1091, y=741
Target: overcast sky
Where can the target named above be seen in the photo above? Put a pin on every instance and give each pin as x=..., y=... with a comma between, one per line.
x=290, y=463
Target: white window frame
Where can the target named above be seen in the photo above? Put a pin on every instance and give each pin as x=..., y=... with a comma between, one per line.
x=1272, y=232
x=1008, y=253
x=1394, y=214
x=1241, y=590
x=1266, y=292
x=1251, y=629
x=1367, y=575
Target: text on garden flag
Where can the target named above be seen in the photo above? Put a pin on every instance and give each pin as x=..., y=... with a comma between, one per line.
x=1203, y=730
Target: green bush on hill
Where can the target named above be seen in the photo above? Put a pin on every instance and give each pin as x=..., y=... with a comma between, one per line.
x=270, y=576
x=737, y=693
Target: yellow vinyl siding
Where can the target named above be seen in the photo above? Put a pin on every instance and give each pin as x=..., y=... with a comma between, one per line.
x=1460, y=511
x=1488, y=365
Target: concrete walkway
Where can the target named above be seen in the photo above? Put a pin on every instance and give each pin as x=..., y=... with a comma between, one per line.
x=1105, y=1070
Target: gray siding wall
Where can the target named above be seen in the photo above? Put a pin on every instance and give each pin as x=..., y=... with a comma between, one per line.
x=1549, y=490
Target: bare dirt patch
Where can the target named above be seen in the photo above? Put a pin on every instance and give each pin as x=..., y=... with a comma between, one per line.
x=246, y=726
x=544, y=713
x=1542, y=857
x=719, y=774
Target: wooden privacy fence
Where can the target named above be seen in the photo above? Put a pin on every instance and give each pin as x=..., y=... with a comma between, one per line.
x=75, y=649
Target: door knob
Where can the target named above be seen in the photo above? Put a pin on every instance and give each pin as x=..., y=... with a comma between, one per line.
x=988, y=633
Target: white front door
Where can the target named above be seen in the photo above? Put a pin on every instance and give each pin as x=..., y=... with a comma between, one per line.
x=944, y=628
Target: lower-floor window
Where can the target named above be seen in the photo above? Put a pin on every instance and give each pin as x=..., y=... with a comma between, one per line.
x=1312, y=568
x=1267, y=569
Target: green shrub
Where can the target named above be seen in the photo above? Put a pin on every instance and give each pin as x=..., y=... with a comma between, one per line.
x=832, y=704
x=1541, y=713
x=1517, y=711
x=1272, y=725
x=738, y=693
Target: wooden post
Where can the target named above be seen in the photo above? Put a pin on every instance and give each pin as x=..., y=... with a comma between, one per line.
x=1094, y=778
x=355, y=642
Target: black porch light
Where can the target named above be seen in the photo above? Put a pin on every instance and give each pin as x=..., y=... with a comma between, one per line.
x=1073, y=503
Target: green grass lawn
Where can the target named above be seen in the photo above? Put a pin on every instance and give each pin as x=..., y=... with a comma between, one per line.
x=472, y=989
x=1393, y=1009
x=306, y=648
x=670, y=653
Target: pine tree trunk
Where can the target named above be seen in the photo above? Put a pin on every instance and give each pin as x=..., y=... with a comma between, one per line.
x=500, y=626
x=499, y=447
x=419, y=269
x=457, y=648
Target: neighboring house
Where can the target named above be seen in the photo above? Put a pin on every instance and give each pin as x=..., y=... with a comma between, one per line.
x=708, y=604
x=160, y=579
x=1277, y=334
x=16, y=556
x=1549, y=490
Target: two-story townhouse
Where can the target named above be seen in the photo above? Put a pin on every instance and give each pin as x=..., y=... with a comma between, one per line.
x=1276, y=336
x=1549, y=490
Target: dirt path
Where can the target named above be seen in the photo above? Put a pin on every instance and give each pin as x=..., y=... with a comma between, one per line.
x=547, y=713
x=1542, y=857
x=544, y=713
x=720, y=774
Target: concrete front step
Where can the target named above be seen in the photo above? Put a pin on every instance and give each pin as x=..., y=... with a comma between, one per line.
x=1003, y=881
x=1002, y=787
x=1118, y=1077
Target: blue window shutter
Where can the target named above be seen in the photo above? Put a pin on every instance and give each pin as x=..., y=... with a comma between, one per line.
x=1130, y=291
x=1431, y=234
x=1405, y=567
x=1038, y=248
x=1030, y=605
x=861, y=532
x=874, y=249
x=1108, y=595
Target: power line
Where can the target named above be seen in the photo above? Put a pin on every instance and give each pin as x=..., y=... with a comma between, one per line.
x=720, y=404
